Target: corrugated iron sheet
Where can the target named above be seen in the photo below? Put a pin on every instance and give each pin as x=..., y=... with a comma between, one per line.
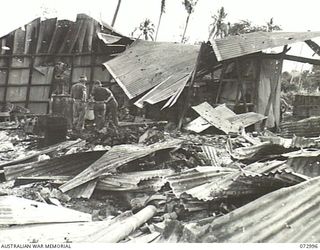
x=197, y=125
x=217, y=117
x=314, y=46
x=56, y=147
x=309, y=127
x=61, y=232
x=240, y=45
x=186, y=181
x=134, y=181
x=173, y=85
x=83, y=191
x=108, y=38
x=309, y=166
x=225, y=183
x=145, y=65
x=211, y=153
x=116, y=157
x=303, y=153
x=295, y=142
x=67, y=165
x=53, y=232
x=14, y=210
x=286, y=215
x=62, y=36
x=249, y=152
x=222, y=118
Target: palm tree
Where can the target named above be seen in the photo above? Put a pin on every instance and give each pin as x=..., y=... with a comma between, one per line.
x=189, y=6
x=162, y=10
x=271, y=26
x=218, y=27
x=146, y=29
x=116, y=13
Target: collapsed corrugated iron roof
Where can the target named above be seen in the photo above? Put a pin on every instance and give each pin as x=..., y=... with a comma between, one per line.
x=145, y=65
x=116, y=157
x=286, y=215
x=68, y=165
x=245, y=44
x=165, y=68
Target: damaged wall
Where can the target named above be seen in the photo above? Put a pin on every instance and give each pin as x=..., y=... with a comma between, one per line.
x=269, y=85
x=29, y=57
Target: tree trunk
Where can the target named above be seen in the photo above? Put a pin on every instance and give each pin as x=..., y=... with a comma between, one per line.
x=116, y=13
x=158, y=26
x=185, y=29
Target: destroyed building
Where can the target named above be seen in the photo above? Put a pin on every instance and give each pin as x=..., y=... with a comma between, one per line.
x=35, y=57
x=234, y=70
x=147, y=182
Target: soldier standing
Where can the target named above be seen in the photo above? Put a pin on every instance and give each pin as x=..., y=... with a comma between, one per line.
x=79, y=95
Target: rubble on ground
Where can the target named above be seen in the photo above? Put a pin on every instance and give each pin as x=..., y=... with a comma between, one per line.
x=158, y=185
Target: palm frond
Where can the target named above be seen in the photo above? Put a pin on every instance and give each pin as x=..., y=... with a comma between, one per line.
x=163, y=6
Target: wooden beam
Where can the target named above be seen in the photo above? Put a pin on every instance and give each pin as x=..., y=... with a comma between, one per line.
x=193, y=77
x=257, y=82
x=6, y=84
x=314, y=46
x=292, y=58
x=240, y=82
x=29, y=82
x=302, y=59
x=223, y=70
x=273, y=90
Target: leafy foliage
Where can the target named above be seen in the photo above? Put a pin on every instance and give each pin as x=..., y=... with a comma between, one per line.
x=218, y=28
x=246, y=26
x=189, y=6
x=146, y=29
x=163, y=6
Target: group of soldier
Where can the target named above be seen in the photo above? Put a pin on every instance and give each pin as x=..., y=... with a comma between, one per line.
x=104, y=104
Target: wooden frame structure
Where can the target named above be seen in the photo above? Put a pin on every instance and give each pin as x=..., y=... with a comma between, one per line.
x=28, y=57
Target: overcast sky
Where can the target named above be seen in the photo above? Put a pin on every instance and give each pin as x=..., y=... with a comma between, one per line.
x=294, y=15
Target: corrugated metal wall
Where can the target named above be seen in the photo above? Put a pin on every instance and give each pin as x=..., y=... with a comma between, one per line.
x=28, y=57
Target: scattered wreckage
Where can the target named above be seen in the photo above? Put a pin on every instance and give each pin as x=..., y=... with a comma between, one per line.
x=147, y=182
x=163, y=187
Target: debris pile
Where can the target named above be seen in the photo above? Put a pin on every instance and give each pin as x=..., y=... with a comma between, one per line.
x=163, y=187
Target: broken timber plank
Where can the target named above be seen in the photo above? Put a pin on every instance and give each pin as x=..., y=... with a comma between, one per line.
x=14, y=210
x=116, y=157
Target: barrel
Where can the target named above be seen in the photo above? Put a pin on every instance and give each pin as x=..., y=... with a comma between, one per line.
x=62, y=106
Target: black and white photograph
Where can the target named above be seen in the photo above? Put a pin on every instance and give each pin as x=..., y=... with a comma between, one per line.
x=159, y=121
